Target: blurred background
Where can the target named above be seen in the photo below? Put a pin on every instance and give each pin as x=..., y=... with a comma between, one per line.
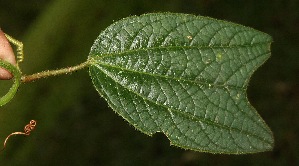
x=75, y=125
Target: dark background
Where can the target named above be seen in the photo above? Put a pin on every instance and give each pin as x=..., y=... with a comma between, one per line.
x=75, y=125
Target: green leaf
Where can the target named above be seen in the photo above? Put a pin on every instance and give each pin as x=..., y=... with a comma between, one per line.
x=185, y=76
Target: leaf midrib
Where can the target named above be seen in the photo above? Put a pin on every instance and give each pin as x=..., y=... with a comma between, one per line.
x=96, y=58
x=121, y=52
x=205, y=83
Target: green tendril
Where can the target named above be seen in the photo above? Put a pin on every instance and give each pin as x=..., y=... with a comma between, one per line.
x=17, y=79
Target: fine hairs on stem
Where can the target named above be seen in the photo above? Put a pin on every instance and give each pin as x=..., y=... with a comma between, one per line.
x=48, y=73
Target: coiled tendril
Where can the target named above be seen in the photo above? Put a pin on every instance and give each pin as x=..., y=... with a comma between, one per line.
x=27, y=129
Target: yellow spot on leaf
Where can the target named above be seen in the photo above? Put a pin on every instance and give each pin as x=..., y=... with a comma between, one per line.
x=219, y=57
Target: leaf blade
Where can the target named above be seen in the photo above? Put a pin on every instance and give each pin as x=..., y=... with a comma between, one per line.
x=170, y=80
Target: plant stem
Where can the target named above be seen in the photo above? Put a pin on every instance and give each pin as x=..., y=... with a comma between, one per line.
x=49, y=73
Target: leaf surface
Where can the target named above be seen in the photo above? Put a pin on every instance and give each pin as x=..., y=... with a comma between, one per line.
x=185, y=76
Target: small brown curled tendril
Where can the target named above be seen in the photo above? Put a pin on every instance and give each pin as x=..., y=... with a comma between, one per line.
x=27, y=129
